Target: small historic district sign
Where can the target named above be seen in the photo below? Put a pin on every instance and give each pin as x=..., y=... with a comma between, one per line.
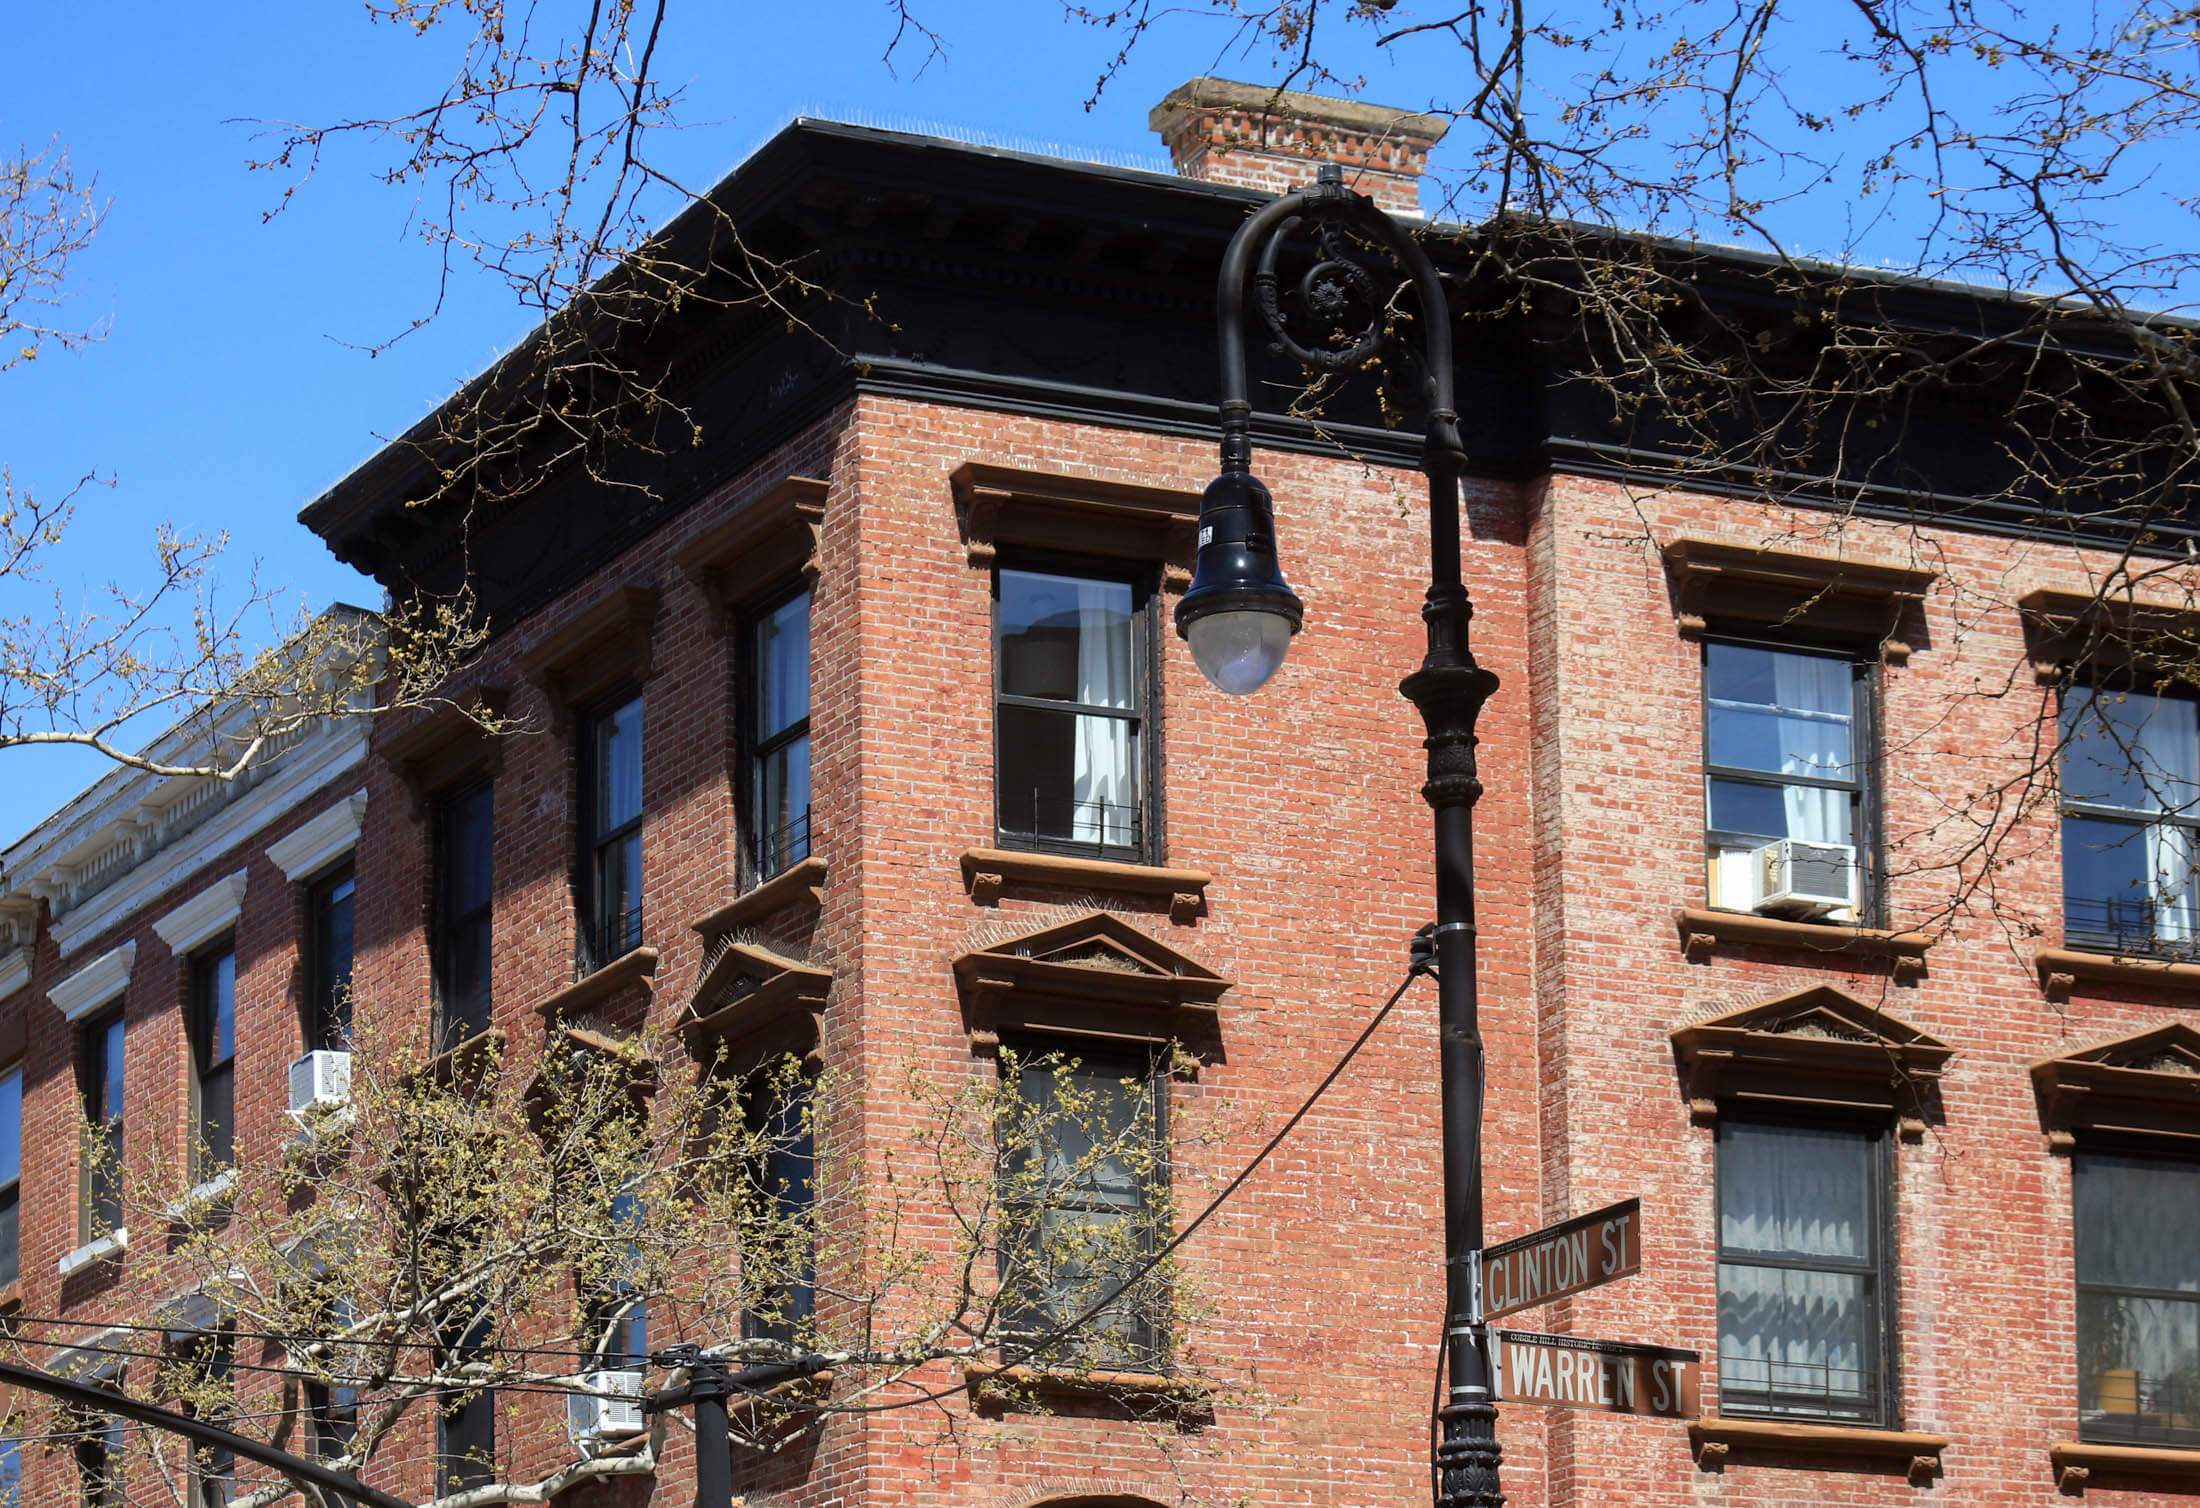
x=1611, y=1375
x=1562, y=1259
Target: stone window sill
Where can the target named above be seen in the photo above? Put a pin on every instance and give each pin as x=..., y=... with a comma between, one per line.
x=1714, y=1439
x=2076, y=1462
x=2062, y=968
x=801, y=885
x=196, y=1202
x=998, y=1384
x=109, y=1246
x=1703, y=931
x=987, y=871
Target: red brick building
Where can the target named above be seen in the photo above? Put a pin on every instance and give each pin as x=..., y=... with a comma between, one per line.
x=881, y=690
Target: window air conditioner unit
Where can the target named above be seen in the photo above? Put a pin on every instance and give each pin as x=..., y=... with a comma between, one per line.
x=589, y=1418
x=1801, y=879
x=320, y=1081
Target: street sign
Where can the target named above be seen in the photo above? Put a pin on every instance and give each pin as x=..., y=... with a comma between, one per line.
x=1566, y=1258
x=1610, y=1375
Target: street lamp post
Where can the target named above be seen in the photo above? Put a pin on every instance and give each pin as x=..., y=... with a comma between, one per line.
x=1238, y=616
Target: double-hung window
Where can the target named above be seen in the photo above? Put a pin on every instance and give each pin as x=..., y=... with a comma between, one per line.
x=1083, y=1193
x=328, y=960
x=2131, y=820
x=1803, y=1257
x=1073, y=680
x=778, y=1109
x=466, y=1417
x=464, y=891
x=2138, y=1249
x=611, y=834
x=779, y=738
x=615, y=1317
x=99, y=1464
x=11, y=1173
x=99, y=1089
x=213, y=1061
x=1787, y=756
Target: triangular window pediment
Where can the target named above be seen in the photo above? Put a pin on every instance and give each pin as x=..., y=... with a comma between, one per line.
x=1818, y=1046
x=2144, y=1084
x=1091, y=975
x=748, y=992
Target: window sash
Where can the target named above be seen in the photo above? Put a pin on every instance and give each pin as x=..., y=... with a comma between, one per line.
x=465, y=829
x=103, y=1044
x=777, y=720
x=1804, y=1322
x=613, y=747
x=11, y=1172
x=332, y=904
x=2136, y=1222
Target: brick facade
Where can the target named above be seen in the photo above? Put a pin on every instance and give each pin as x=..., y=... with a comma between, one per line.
x=1301, y=806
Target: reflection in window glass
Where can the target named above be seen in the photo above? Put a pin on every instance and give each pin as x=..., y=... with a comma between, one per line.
x=1783, y=759
x=779, y=816
x=2138, y=1239
x=2131, y=806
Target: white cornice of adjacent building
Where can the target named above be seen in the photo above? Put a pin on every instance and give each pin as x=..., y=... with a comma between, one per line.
x=132, y=836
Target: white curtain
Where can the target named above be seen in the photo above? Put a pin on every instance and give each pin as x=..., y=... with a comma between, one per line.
x=1795, y=1192
x=1104, y=788
x=1817, y=700
x=2164, y=744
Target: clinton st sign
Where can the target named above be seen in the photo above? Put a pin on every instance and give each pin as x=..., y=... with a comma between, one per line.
x=1567, y=1258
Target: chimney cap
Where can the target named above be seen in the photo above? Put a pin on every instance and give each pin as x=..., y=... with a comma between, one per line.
x=1291, y=104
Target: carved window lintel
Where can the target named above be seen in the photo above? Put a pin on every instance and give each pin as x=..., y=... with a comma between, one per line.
x=446, y=743
x=609, y=644
x=1703, y=931
x=2065, y=630
x=1816, y=1048
x=2146, y=1084
x=1077, y=515
x=762, y=541
x=1715, y=578
x=1093, y=976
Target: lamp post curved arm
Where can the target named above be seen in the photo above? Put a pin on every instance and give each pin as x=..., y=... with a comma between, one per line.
x=1238, y=617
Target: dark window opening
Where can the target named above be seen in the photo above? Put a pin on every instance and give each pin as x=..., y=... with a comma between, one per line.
x=1083, y=1199
x=2131, y=821
x=1073, y=679
x=1803, y=1323
x=99, y=1083
x=615, y=1318
x=466, y=1417
x=213, y=1061
x=464, y=891
x=11, y=1174
x=99, y=1463
x=778, y=716
x=329, y=956
x=2138, y=1240
x=611, y=835
x=779, y=1109
x=205, y=1377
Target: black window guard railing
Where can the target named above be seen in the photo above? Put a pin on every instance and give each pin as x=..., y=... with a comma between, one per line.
x=774, y=852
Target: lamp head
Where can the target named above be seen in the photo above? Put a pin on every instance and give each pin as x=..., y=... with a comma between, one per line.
x=1239, y=613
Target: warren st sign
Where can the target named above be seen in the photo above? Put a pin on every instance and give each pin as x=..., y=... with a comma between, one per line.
x=1562, y=1259
x=1610, y=1375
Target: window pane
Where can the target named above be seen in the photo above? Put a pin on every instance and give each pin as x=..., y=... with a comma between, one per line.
x=467, y=851
x=2131, y=883
x=110, y=1048
x=1795, y=1191
x=1810, y=813
x=11, y=1472
x=332, y=957
x=1802, y=1336
x=11, y=1125
x=217, y=1128
x=2138, y=1223
x=2140, y=1358
x=783, y=668
x=2131, y=750
x=1786, y=714
x=11, y=1237
x=217, y=1009
x=1067, y=639
x=1068, y=775
x=618, y=792
x=783, y=807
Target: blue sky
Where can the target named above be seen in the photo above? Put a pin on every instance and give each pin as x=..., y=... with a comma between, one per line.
x=229, y=390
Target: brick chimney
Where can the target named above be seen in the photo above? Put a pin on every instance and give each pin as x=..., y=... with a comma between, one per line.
x=1257, y=137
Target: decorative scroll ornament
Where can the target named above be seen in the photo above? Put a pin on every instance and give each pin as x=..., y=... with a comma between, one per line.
x=1336, y=291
